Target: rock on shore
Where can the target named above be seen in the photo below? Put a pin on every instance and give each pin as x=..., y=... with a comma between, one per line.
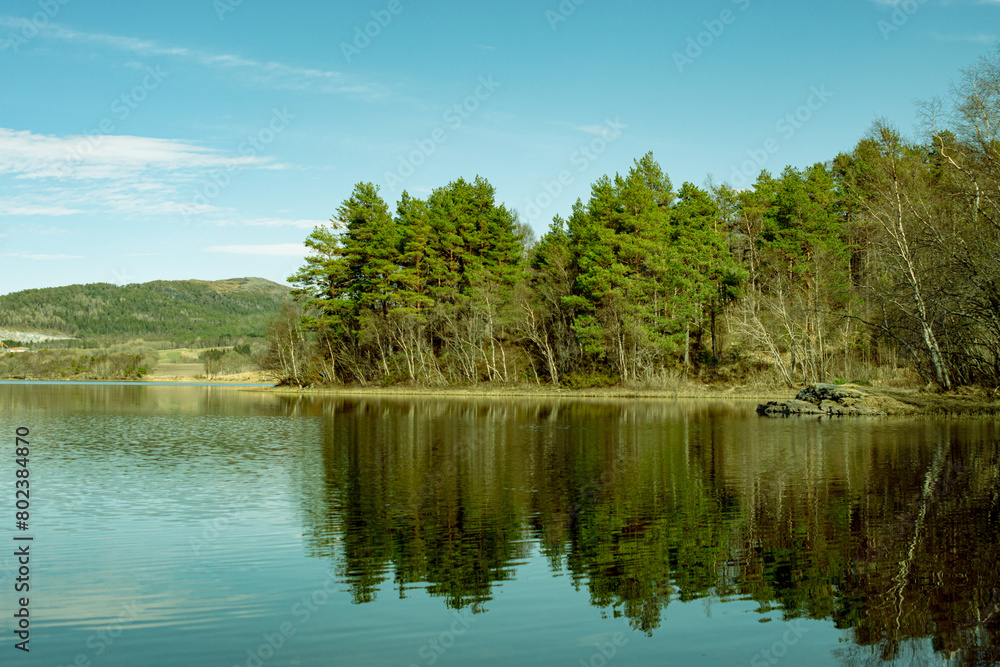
x=822, y=399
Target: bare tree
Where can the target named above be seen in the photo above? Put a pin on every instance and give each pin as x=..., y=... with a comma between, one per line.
x=893, y=191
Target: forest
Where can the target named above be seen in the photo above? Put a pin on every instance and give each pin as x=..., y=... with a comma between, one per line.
x=879, y=265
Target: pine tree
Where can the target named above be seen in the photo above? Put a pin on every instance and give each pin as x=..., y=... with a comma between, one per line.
x=705, y=276
x=409, y=316
x=621, y=259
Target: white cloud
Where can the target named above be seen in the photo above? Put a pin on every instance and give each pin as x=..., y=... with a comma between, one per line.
x=111, y=173
x=271, y=74
x=25, y=154
x=273, y=250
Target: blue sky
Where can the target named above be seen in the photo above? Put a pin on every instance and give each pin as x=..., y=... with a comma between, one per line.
x=206, y=138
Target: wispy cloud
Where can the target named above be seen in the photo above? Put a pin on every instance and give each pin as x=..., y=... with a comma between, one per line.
x=598, y=130
x=270, y=222
x=15, y=207
x=978, y=38
x=41, y=257
x=272, y=74
x=109, y=173
x=273, y=250
x=30, y=229
x=25, y=154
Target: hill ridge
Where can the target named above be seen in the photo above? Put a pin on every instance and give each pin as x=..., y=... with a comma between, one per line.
x=177, y=310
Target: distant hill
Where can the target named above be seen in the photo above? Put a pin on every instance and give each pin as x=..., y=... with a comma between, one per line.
x=181, y=310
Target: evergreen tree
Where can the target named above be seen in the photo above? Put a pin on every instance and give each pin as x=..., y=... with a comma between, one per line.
x=705, y=276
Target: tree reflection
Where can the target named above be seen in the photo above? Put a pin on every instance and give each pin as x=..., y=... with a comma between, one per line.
x=889, y=529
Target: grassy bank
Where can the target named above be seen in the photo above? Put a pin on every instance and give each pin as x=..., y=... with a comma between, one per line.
x=965, y=402
x=962, y=402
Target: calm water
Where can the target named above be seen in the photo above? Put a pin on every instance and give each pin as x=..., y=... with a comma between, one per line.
x=215, y=526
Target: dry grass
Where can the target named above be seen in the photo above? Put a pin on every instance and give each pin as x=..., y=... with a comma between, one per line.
x=962, y=402
x=174, y=370
x=186, y=376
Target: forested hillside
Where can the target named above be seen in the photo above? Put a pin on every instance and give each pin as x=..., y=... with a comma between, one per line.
x=179, y=311
x=881, y=262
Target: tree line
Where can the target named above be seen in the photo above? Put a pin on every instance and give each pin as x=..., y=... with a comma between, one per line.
x=127, y=361
x=883, y=257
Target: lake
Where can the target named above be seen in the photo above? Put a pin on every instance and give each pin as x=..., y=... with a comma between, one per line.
x=178, y=525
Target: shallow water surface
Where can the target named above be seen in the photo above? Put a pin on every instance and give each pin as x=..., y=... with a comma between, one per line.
x=178, y=525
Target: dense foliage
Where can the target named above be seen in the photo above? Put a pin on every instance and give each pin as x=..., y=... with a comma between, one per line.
x=178, y=311
x=427, y=294
x=883, y=258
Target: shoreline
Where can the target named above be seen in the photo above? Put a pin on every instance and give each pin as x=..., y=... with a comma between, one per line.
x=531, y=391
x=976, y=402
x=967, y=402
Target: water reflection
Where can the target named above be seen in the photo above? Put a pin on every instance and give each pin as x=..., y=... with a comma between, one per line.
x=888, y=528
x=193, y=503
x=141, y=399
